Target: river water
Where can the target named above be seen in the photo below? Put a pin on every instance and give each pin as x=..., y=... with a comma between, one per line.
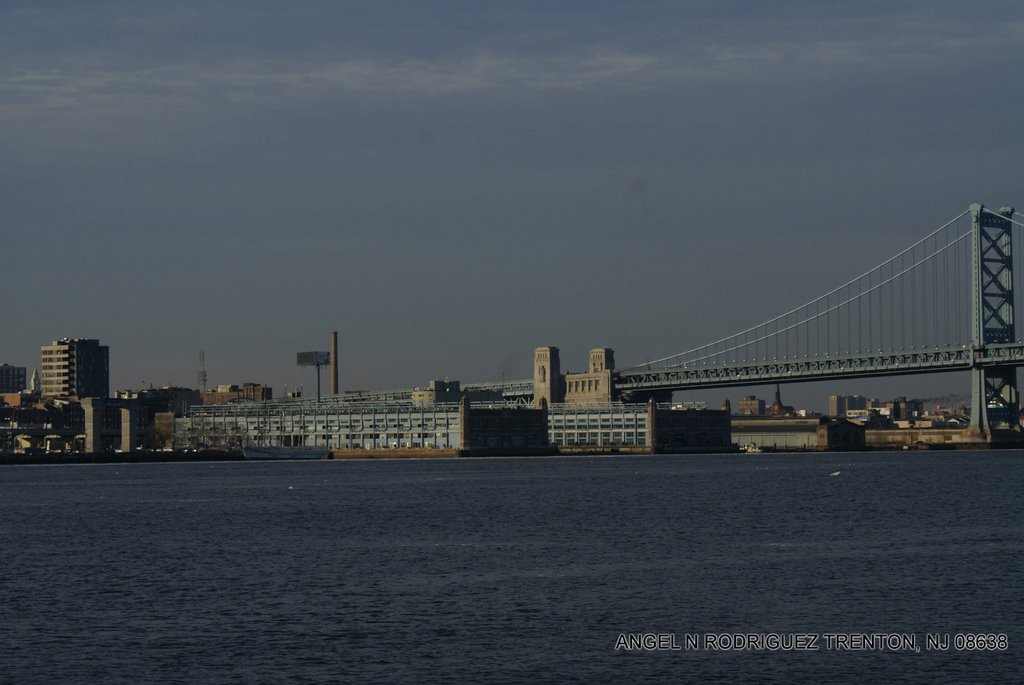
x=513, y=570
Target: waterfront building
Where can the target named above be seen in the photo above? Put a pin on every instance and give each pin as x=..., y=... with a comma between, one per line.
x=12, y=378
x=638, y=427
x=576, y=426
x=798, y=433
x=75, y=367
x=689, y=429
x=502, y=427
x=343, y=425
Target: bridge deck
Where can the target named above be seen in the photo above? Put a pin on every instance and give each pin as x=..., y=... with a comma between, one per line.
x=892, y=363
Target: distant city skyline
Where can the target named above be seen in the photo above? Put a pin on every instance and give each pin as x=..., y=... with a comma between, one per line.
x=450, y=185
x=874, y=388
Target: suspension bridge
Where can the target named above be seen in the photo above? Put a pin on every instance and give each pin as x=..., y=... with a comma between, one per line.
x=946, y=303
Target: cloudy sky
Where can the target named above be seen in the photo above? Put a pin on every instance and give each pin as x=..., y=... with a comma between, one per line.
x=451, y=184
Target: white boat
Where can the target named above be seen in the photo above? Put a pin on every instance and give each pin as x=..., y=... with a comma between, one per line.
x=751, y=448
x=286, y=452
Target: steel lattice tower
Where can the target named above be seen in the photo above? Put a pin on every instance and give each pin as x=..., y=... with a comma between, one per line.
x=994, y=397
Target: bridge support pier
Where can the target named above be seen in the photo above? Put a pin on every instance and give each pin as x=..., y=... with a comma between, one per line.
x=995, y=402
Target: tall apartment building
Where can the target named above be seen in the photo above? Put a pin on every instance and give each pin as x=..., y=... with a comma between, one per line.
x=12, y=378
x=840, y=405
x=76, y=367
x=902, y=409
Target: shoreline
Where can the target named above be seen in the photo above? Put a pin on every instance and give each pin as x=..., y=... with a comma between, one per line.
x=184, y=457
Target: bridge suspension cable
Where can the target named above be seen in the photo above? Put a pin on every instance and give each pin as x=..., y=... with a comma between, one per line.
x=918, y=299
x=835, y=307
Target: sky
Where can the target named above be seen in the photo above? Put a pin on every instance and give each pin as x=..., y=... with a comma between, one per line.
x=452, y=184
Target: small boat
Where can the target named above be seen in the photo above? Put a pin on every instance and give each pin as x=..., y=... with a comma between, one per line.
x=751, y=448
x=255, y=453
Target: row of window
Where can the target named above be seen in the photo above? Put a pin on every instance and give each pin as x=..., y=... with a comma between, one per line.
x=627, y=438
x=590, y=385
x=346, y=440
x=594, y=421
x=322, y=426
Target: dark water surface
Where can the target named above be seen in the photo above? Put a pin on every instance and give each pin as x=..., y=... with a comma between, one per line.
x=508, y=570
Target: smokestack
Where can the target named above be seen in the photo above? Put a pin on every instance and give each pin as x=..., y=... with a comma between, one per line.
x=334, y=363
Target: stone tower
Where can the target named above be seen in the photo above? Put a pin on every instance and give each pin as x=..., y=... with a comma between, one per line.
x=602, y=359
x=547, y=376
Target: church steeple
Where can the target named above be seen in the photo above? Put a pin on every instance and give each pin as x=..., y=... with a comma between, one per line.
x=778, y=409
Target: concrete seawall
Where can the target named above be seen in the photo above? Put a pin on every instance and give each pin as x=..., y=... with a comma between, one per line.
x=876, y=439
x=424, y=453
x=396, y=453
x=138, y=457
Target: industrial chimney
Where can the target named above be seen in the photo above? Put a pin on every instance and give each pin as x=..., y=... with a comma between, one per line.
x=334, y=363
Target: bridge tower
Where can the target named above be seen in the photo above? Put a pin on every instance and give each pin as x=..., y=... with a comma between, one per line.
x=547, y=377
x=994, y=397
